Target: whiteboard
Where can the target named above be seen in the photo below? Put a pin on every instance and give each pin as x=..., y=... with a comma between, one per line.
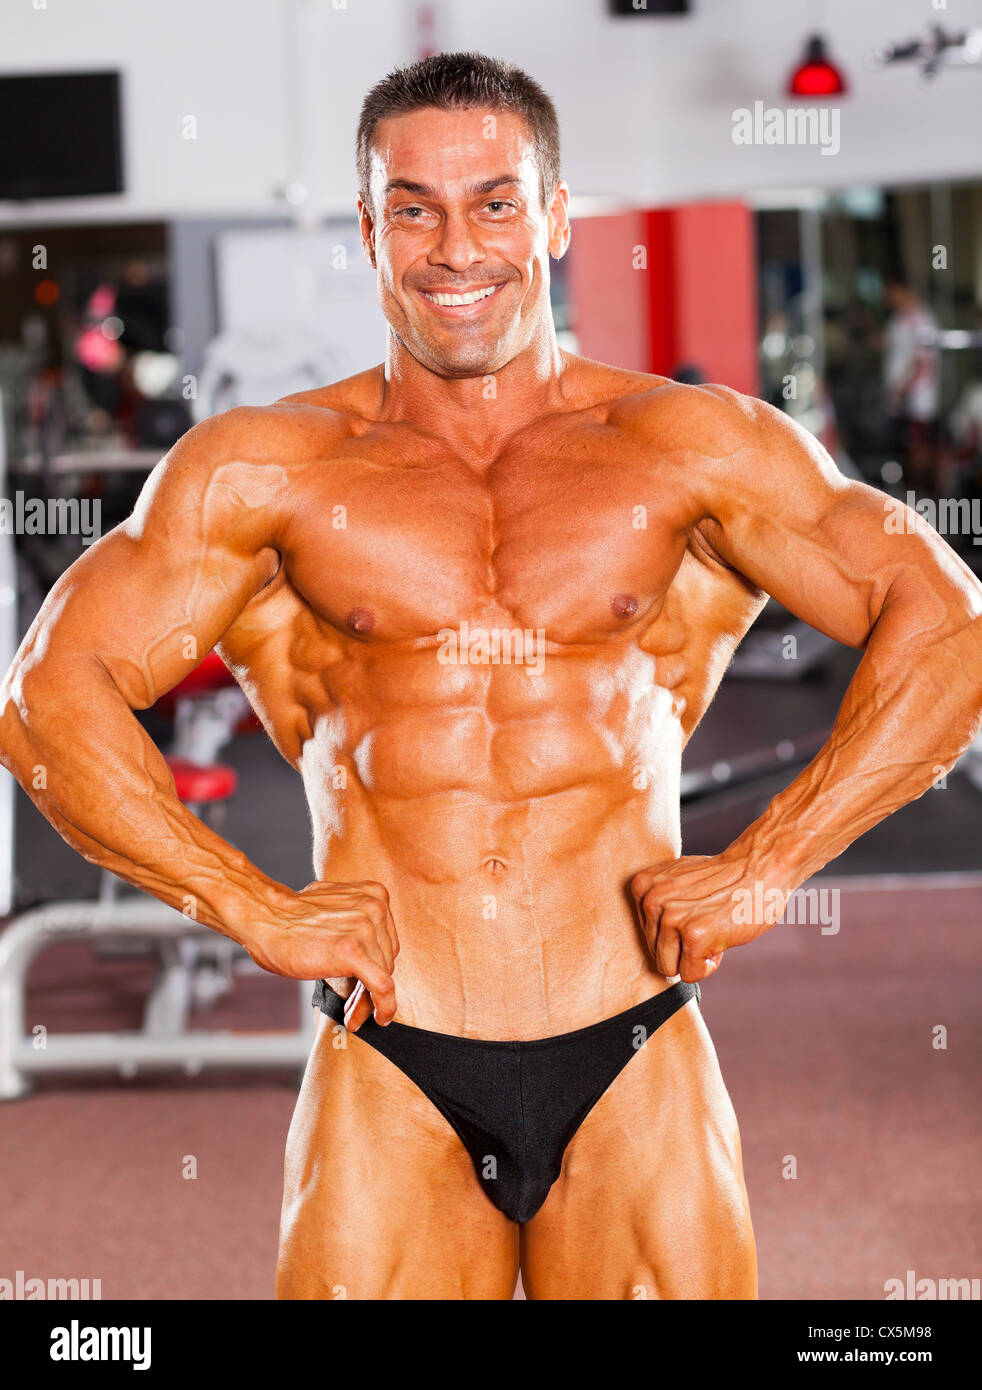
x=317, y=281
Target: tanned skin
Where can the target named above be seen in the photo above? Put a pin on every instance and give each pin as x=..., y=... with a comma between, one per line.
x=497, y=851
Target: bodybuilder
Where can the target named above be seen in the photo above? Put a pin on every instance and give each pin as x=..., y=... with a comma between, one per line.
x=480, y=596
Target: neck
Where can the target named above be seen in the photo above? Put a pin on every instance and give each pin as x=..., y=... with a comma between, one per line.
x=475, y=414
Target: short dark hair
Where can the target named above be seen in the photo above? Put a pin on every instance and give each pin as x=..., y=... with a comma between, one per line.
x=451, y=81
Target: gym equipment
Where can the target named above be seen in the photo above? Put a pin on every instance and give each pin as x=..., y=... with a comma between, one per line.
x=194, y=965
x=260, y=363
x=937, y=50
x=746, y=769
x=764, y=653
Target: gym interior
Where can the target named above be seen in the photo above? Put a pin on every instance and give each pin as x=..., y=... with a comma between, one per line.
x=177, y=237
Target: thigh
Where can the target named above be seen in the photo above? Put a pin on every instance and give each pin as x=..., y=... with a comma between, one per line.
x=380, y=1199
x=651, y=1202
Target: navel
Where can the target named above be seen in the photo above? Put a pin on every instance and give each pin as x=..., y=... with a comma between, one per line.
x=624, y=605
x=360, y=620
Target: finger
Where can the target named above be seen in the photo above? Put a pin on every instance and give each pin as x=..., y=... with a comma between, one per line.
x=363, y=916
x=656, y=933
x=645, y=879
x=382, y=922
x=393, y=933
x=379, y=984
x=648, y=908
x=370, y=939
x=357, y=1008
x=381, y=895
x=641, y=883
x=380, y=931
x=667, y=948
x=387, y=933
x=694, y=967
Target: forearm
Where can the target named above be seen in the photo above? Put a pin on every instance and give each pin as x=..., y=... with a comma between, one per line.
x=912, y=708
x=91, y=769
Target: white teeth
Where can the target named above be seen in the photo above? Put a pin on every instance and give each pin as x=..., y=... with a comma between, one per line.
x=449, y=300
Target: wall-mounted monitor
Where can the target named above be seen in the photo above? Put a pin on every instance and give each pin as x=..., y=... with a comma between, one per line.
x=61, y=135
x=643, y=7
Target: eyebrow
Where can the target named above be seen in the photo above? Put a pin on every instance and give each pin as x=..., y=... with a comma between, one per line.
x=423, y=190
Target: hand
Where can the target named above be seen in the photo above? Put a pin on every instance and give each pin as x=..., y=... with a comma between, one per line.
x=694, y=908
x=330, y=930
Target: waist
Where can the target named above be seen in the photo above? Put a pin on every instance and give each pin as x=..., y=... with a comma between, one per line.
x=331, y=1001
x=532, y=958
x=465, y=841
x=514, y=915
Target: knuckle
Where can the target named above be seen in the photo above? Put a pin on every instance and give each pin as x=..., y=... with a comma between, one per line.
x=370, y=889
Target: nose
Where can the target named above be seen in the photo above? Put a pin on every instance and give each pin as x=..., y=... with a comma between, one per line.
x=458, y=246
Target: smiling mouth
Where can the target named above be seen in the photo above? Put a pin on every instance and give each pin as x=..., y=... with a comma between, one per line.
x=449, y=300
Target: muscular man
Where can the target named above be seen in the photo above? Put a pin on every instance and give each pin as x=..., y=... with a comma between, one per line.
x=480, y=597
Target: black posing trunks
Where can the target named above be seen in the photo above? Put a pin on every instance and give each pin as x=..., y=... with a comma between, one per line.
x=516, y=1105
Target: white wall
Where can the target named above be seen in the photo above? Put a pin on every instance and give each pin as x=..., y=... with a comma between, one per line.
x=646, y=105
x=218, y=60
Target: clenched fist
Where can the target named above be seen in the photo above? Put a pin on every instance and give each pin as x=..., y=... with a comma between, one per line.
x=692, y=909
x=335, y=930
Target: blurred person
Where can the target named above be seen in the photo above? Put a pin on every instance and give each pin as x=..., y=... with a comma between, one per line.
x=963, y=434
x=964, y=422
x=911, y=379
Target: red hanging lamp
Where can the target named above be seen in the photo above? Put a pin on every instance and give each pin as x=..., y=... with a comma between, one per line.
x=816, y=75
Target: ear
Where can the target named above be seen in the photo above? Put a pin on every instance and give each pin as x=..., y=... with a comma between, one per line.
x=367, y=227
x=559, y=229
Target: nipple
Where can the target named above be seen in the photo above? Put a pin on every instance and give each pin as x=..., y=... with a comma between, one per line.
x=624, y=605
x=360, y=620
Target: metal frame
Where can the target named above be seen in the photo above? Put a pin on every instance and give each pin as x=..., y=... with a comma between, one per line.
x=163, y=1043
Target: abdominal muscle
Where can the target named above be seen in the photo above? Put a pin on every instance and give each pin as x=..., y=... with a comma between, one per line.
x=507, y=849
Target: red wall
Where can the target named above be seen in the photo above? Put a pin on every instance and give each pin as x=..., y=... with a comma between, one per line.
x=695, y=301
x=609, y=297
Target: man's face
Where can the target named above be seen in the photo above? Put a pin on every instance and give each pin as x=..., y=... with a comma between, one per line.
x=456, y=211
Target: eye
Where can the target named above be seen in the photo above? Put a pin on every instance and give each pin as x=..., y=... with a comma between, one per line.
x=412, y=212
x=497, y=203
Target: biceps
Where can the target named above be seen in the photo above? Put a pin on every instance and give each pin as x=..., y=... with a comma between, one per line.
x=828, y=559
x=145, y=610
